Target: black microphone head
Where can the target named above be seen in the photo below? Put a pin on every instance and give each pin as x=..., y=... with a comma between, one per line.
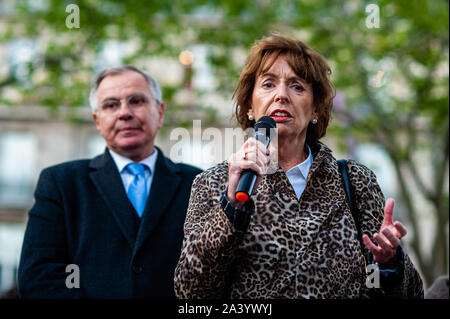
x=265, y=122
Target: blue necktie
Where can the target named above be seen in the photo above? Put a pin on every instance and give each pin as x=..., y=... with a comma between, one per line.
x=137, y=191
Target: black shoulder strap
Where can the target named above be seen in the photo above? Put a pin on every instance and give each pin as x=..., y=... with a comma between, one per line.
x=343, y=170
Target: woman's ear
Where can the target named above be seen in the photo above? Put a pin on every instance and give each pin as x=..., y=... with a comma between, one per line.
x=315, y=113
x=314, y=117
x=250, y=115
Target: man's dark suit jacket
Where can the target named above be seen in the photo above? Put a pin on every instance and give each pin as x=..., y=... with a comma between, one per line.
x=83, y=216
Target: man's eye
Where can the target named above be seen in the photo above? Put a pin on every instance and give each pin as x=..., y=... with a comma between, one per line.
x=137, y=101
x=111, y=105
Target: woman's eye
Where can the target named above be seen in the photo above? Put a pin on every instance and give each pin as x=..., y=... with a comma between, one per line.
x=267, y=85
x=298, y=87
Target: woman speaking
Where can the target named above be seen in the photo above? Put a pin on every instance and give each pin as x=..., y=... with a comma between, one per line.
x=295, y=237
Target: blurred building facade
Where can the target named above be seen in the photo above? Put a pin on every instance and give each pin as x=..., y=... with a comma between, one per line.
x=30, y=140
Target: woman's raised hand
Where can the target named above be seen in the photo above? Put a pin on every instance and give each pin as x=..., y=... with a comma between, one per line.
x=388, y=238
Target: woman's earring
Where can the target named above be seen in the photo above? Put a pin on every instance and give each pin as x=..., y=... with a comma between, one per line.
x=314, y=121
x=251, y=117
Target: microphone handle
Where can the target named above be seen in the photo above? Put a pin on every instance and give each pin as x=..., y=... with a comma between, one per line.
x=246, y=182
x=248, y=178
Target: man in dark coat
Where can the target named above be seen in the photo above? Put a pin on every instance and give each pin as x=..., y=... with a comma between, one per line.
x=110, y=227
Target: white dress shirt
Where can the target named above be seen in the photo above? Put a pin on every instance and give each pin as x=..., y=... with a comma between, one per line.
x=297, y=175
x=127, y=178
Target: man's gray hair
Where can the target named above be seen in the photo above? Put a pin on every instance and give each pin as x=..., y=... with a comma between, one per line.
x=155, y=89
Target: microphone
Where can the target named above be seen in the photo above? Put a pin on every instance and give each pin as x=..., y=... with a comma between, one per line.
x=248, y=177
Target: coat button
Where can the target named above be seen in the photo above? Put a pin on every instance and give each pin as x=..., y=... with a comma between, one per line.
x=137, y=269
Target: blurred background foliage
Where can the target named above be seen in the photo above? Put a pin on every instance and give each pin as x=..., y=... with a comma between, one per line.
x=391, y=81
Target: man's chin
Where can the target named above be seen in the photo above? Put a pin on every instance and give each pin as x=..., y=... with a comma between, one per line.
x=132, y=150
x=130, y=143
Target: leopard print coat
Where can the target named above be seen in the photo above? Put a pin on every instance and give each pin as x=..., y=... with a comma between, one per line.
x=306, y=248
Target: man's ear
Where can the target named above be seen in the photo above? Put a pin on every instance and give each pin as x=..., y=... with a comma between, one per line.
x=96, y=120
x=161, y=112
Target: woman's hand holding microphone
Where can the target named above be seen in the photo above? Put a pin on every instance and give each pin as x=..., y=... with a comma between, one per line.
x=252, y=155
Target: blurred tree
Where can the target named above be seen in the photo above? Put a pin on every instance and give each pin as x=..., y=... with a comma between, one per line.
x=393, y=76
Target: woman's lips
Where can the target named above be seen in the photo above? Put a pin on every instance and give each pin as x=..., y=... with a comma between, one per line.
x=281, y=119
x=281, y=116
